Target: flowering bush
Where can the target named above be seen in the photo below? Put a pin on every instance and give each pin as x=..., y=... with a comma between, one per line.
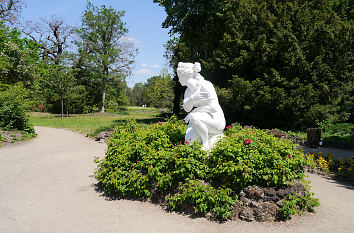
x=342, y=169
x=157, y=162
x=252, y=157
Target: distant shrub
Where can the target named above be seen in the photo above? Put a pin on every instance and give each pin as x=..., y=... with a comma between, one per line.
x=13, y=109
x=145, y=163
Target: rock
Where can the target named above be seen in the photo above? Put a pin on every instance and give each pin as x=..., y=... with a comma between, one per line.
x=270, y=195
x=255, y=204
x=236, y=211
x=103, y=136
x=281, y=193
x=254, y=193
x=298, y=188
x=246, y=214
x=280, y=203
x=208, y=216
x=259, y=194
x=244, y=200
x=267, y=212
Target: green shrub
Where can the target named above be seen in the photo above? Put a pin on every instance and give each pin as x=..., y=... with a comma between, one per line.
x=264, y=161
x=141, y=162
x=295, y=204
x=204, y=197
x=13, y=109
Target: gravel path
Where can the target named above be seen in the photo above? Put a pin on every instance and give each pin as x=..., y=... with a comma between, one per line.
x=46, y=186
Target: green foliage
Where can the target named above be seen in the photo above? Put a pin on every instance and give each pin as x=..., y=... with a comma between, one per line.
x=103, y=52
x=2, y=139
x=295, y=204
x=337, y=133
x=18, y=57
x=205, y=199
x=284, y=64
x=265, y=161
x=142, y=162
x=159, y=91
x=136, y=95
x=14, y=104
x=60, y=91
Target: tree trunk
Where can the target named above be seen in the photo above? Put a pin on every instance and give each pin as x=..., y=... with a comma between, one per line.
x=62, y=108
x=313, y=137
x=178, y=89
x=103, y=100
x=104, y=89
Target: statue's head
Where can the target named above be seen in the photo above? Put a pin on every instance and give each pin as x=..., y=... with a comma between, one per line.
x=187, y=70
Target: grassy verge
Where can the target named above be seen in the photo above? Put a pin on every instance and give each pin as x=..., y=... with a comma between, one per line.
x=92, y=123
x=7, y=137
x=340, y=134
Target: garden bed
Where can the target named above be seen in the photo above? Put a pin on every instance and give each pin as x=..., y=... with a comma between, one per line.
x=9, y=137
x=156, y=164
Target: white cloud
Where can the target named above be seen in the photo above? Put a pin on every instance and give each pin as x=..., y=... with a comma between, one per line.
x=155, y=66
x=144, y=65
x=128, y=38
x=132, y=40
x=145, y=71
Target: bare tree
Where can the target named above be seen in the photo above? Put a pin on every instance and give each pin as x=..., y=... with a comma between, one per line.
x=52, y=35
x=9, y=10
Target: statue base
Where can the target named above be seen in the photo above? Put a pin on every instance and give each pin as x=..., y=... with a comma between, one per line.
x=212, y=140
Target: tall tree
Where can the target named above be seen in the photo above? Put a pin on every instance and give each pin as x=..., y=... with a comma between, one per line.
x=52, y=35
x=57, y=84
x=18, y=57
x=198, y=28
x=10, y=9
x=102, y=46
x=136, y=95
x=159, y=90
x=295, y=53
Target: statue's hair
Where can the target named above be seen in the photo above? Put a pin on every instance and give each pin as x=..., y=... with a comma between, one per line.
x=196, y=68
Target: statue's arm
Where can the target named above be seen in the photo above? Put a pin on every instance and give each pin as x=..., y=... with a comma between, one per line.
x=188, y=103
x=210, y=107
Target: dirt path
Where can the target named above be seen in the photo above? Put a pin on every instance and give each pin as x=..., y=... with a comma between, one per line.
x=46, y=186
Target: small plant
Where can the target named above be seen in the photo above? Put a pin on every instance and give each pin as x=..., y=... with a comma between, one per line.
x=204, y=199
x=2, y=138
x=296, y=204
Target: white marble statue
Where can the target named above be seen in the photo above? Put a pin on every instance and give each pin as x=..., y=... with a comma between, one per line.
x=205, y=120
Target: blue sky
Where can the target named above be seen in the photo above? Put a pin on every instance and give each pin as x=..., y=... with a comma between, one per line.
x=143, y=19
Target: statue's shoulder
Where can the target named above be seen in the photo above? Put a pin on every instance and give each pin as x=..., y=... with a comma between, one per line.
x=207, y=84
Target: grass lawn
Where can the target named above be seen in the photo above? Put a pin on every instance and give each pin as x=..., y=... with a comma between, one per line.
x=333, y=134
x=91, y=123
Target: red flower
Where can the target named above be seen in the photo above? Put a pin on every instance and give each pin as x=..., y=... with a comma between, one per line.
x=248, y=141
x=228, y=127
x=160, y=123
x=186, y=142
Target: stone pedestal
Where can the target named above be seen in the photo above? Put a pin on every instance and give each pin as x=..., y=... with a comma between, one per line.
x=313, y=137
